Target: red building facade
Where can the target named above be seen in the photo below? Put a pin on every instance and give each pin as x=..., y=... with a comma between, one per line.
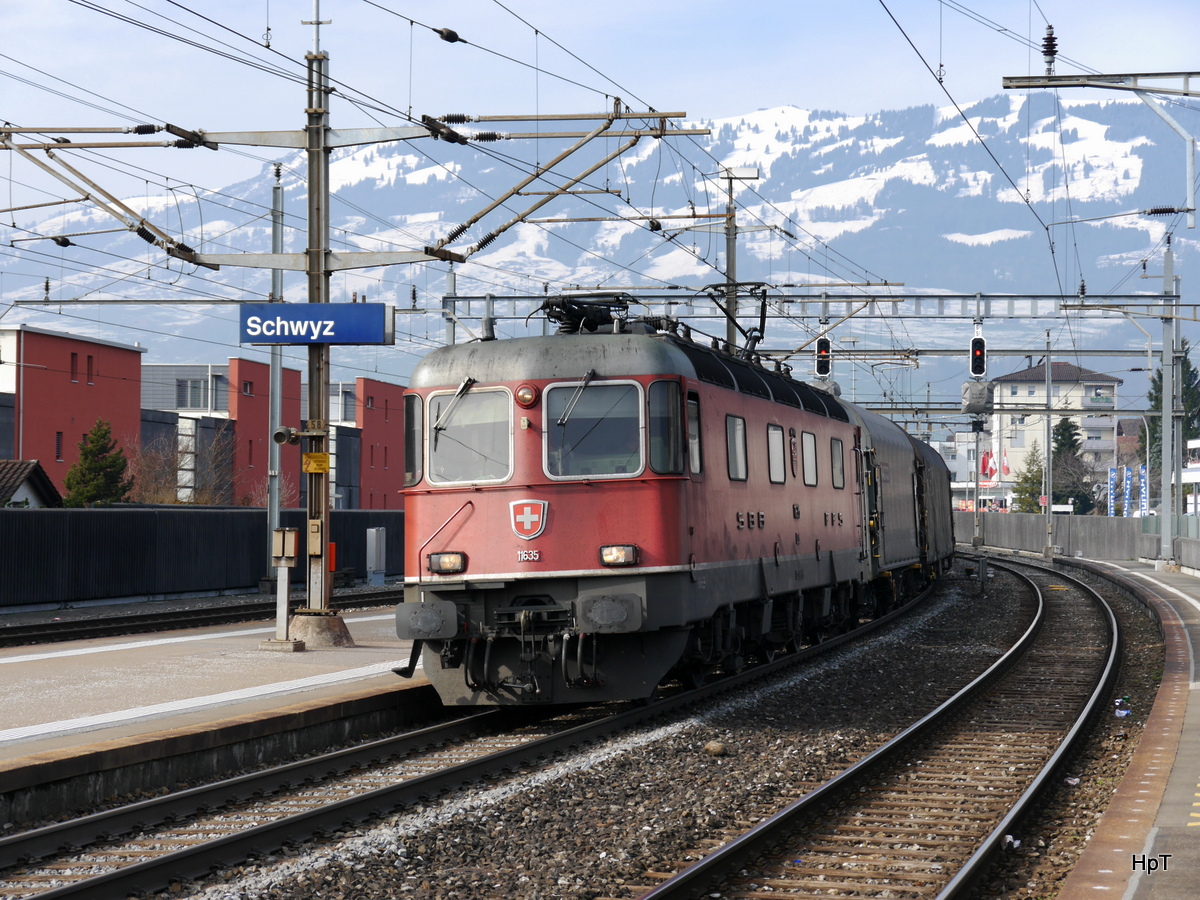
x=379, y=412
x=249, y=410
x=214, y=419
x=60, y=385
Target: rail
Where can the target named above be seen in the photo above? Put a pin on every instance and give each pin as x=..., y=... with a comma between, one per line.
x=721, y=864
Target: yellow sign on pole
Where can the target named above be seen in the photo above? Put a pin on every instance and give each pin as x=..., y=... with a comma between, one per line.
x=314, y=463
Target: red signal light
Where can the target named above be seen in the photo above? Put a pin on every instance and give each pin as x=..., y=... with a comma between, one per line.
x=823, y=357
x=978, y=362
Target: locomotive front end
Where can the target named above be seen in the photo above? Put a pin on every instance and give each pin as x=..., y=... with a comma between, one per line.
x=544, y=487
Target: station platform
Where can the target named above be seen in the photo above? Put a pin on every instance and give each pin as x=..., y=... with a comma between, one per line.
x=99, y=714
x=1147, y=844
x=80, y=692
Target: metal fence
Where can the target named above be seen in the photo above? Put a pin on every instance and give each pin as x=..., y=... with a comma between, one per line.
x=58, y=556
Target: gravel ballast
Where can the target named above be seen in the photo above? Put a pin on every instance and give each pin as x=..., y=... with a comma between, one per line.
x=595, y=824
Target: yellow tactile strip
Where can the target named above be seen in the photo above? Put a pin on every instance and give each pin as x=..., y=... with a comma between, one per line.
x=1106, y=867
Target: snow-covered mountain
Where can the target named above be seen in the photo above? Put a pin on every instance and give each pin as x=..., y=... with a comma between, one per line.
x=906, y=196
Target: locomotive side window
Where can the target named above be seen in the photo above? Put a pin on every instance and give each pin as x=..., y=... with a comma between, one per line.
x=808, y=453
x=837, y=464
x=666, y=428
x=414, y=430
x=775, y=455
x=470, y=436
x=593, y=430
x=695, y=460
x=735, y=446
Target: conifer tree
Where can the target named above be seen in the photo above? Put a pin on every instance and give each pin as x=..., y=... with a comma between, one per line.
x=98, y=479
x=1029, y=483
x=1188, y=391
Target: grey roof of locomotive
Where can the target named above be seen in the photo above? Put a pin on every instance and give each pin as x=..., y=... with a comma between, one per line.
x=614, y=356
x=627, y=355
x=556, y=356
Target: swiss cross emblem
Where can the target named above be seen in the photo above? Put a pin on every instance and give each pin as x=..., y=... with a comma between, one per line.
x=528, y=517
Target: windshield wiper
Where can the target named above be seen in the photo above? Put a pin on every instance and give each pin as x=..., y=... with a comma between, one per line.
x=587, y=379
x=444, y=418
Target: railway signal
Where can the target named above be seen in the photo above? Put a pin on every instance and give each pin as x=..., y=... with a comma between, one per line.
x=823, y=357
x=978, y=361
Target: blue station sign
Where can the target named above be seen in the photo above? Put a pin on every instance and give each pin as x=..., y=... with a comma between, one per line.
x=317, y=323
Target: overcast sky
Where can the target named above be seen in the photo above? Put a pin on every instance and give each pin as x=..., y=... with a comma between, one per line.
x=709, y=58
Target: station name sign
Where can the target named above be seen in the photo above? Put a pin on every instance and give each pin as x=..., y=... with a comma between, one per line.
x=317, y=323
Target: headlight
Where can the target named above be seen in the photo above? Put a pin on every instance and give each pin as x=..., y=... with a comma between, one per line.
x=526, y=396
x=447, y=563
x=619, y=555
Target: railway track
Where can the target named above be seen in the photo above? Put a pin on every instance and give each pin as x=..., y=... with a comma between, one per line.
x=923, y=815
x=149, y=845
x=252, y=608
x=193, y=832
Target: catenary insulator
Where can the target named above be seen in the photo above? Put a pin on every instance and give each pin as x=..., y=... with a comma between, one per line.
x=450, y=36
x=1161, y=211
x=455, y=233
x=144, y=233
x=144, y=129
x=1049, y=48
x=485, y=240
x=456, y=119
x=487, y=136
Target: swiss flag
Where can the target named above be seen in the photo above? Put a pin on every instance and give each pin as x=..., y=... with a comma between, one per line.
x=987, y=464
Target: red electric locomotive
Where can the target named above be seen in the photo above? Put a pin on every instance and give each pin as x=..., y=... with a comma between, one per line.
x=589, y=512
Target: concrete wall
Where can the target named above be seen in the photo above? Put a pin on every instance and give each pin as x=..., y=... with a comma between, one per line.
x=1096, y=537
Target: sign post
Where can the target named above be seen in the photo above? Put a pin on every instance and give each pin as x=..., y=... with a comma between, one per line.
x=285, y=544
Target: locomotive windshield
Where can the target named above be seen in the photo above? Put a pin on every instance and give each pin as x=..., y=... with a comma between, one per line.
x=471, y=438
x=602, y=436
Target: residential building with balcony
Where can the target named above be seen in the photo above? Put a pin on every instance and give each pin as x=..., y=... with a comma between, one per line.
x=1018, y=424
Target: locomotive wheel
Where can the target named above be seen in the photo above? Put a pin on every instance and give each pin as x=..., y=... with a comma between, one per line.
x=767, y=651
x=693, y=675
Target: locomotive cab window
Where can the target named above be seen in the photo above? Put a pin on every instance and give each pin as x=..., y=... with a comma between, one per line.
x=775, y=454
x=695, y=460
x=413, y=445
x=666, y=428
x=470, y=436
x=837, y=464
x=735, y=446
x=593, y=430
x=808, y=454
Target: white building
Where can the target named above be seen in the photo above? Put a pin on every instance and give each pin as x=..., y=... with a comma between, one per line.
x=1018, y=423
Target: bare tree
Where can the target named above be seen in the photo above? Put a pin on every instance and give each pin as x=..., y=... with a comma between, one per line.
x=213, y=461
x=289, y=495
x=193, y=464
x=155, y=467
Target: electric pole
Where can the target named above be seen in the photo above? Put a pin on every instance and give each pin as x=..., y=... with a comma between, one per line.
x=1143, y=84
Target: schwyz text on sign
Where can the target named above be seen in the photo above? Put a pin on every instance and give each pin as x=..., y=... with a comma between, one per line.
x=316, y=323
